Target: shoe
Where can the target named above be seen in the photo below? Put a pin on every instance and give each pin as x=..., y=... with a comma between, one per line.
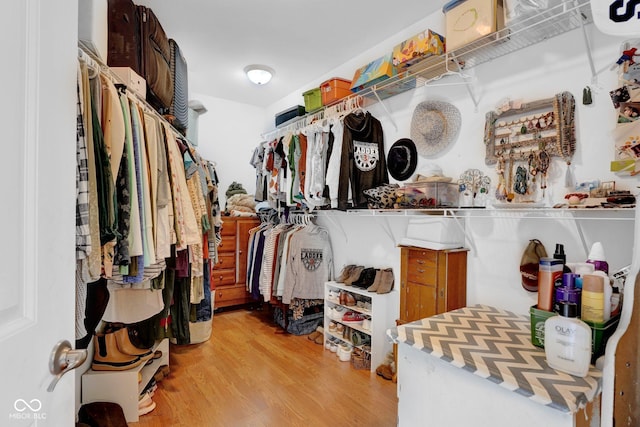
x=345, y=273
x=319, y=339
x=366, y=324
x=126, y=346
x=385, y=372
x=366, y=278
x=333, y=296
x=333, y=348
x=342, y=300
x=313, y=335
x=376, y=281
x=339, y=328
x=107, y=356
x=349, y=300
x=332, y=327
x=386, y=281
x=352, y=317
x=355, y=275
x=146, y=409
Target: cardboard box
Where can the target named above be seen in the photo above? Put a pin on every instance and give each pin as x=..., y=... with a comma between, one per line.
x=374, y=72
x=471, y=20
x=424, y=44
x=93, y=28
x=132, y=80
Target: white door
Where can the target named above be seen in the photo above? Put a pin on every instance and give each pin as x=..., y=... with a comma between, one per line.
x=37, y=207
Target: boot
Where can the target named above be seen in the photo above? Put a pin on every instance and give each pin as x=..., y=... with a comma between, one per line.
x=376, y=281
x=125, y=346
x=355, y=275
x=386, y=281
x=345, y=273
x=107, y=357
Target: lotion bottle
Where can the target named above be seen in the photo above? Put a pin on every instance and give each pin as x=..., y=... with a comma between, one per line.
x=567, y=341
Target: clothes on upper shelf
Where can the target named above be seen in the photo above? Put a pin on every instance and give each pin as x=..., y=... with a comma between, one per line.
x=328, y=164
x=147, y=204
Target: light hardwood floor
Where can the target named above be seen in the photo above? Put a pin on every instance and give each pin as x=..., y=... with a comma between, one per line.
x=251, y=374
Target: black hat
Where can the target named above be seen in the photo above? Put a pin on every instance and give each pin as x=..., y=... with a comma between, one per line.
x=402, y=159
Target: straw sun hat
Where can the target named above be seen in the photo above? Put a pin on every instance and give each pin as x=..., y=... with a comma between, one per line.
x=434, y=126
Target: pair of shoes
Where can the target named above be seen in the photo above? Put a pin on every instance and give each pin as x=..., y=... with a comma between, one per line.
x=353, y=317
x=317, y=336
x=115, y=352
x=383, y=282
x=347, y=298
x=354, y=275
x=366, y=278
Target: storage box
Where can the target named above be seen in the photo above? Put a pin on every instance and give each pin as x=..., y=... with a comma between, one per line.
x=312, y=99
x=93, y=27
x=434, y=232
x=427, y=195
x=600, y=332
x=132, y=80
x=289, y=114
x=424, y=44
x=334, y=90
x=471, y=20
x=374, y=72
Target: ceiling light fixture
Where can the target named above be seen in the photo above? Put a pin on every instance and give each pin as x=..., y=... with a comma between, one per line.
x=259, y=74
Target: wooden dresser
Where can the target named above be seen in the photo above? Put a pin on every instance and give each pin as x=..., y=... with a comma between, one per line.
x=431, y=282
x=229, y=279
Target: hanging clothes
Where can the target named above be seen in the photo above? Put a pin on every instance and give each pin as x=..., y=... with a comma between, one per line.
x=363, y=164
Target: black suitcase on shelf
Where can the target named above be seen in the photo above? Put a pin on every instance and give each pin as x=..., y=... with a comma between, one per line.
x=156, y=58
x=123, y=43
x=180, y=105
x=137, y=40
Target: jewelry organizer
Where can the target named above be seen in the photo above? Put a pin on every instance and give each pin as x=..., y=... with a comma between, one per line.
x=521, y=142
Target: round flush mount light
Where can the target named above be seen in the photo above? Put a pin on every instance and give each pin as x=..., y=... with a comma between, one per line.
x=259, y=74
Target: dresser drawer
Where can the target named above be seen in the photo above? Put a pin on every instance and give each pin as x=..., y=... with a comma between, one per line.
x=223, y=277
x=228, y=244
x=235, y=294
x=421, y=266
x=226, y=260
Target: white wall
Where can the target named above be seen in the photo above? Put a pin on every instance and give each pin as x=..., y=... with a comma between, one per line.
x=228, y=133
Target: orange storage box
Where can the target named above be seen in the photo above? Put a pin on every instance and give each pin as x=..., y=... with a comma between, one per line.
x=334, y=90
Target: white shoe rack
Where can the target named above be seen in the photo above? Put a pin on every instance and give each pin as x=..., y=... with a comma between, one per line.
x=383, y=312
x=122, y=387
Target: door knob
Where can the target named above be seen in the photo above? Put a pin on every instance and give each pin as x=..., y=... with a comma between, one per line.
x=63, y=359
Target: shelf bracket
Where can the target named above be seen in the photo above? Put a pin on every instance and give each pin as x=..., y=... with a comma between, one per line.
x=587, y=44
x=467, y=83
x=386, y=227
x=386, y=110
x=338, y=225
x=467, y=235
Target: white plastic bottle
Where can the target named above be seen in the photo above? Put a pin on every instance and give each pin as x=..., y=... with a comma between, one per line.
x=567, y=341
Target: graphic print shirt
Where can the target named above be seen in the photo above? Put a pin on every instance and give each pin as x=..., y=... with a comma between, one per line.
x=310, y=264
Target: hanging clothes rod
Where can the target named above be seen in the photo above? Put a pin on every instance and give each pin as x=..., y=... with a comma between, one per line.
x=94, y=62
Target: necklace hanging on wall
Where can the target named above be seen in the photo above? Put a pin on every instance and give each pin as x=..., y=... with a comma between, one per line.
x=543, y=167
x=501, y=189
x=520, y=183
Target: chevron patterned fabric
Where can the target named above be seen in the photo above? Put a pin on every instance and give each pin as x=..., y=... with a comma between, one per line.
x=496, y=345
